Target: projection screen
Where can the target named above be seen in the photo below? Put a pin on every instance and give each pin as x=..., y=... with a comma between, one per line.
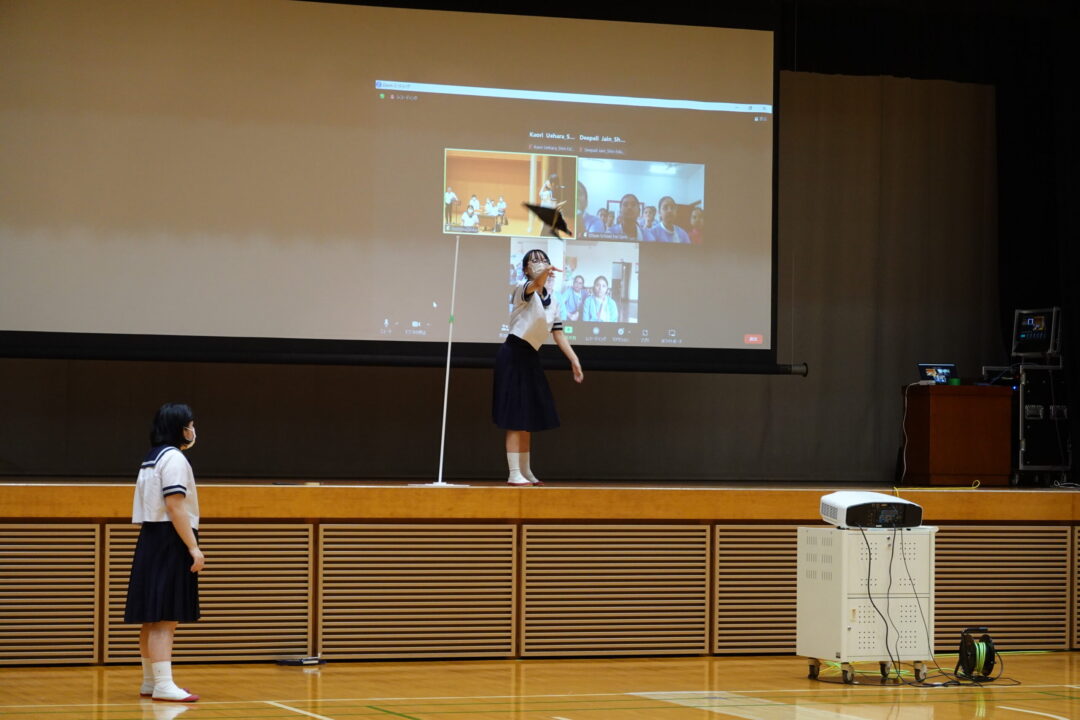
x=289, y=181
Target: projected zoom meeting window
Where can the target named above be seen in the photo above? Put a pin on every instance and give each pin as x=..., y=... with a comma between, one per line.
x=355, y=207
x=634, y=202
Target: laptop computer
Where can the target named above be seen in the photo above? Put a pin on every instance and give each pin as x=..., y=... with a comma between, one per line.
x=940, y=373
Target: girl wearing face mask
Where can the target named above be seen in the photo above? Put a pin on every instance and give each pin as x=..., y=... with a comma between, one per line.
x=522, y=401
x=164, y=586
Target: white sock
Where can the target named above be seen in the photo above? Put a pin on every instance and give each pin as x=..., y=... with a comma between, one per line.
x=526, y=470
x=164, y=687
x=513, y=460
x=147, y=686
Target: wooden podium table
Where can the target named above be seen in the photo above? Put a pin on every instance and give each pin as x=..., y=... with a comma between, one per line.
x=958, y=434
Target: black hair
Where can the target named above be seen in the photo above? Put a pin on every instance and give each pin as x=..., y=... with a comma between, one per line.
x=169, y=423
x=531, y=254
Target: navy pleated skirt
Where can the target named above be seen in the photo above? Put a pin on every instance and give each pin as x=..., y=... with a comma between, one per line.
x=162, y=586
x=522, y=398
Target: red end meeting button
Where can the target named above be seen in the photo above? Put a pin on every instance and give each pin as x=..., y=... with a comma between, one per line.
x=753, y=339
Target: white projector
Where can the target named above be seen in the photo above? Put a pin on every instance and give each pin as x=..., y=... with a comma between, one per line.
x=869, y=510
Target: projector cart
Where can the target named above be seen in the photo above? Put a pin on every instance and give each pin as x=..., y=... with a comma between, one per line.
x=865, y=595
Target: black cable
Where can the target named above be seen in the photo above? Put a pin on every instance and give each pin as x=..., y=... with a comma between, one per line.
x=1001, y=374
x=950, y=681
x=888, y=608
x=1001, y=659
x=870, y=596
x=903, y=435
x=914, y=592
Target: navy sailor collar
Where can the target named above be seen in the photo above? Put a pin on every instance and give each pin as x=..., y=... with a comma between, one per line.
x=545, y=296
x=155, y=454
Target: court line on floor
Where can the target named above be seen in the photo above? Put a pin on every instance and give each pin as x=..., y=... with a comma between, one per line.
x=773, y=691
x=391, y=712
x=704, y=699
x=296, y=710
x=741, y=706
x=745, y=709
x=755, y=711
x=1033, y=712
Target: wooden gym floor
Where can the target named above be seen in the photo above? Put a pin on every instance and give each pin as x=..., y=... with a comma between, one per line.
x=749, y=688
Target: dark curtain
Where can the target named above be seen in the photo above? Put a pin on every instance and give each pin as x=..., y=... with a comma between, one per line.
x=1025, y=50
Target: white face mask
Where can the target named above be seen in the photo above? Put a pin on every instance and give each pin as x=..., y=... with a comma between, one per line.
x=191, y=443
x=536, y=267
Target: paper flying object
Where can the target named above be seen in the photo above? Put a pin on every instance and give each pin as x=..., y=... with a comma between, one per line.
x=551, y=217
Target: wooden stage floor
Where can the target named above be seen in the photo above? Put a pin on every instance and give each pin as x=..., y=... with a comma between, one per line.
x=1042, y=685
x=336, y=500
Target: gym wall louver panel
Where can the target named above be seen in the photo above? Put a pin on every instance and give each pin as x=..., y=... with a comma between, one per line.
x=755, y=589
x=255, y=594
x=615, y=590
x=48, y=594
x=417, y=591
x=1075, y=584
x=1013, y=580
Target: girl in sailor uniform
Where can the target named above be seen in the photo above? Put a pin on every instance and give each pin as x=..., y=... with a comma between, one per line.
x=164, y=586
x=522, y=401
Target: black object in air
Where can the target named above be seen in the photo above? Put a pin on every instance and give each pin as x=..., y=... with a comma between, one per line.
x=551, y=217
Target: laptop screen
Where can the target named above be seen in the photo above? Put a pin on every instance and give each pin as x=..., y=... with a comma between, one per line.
x=940, y=373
